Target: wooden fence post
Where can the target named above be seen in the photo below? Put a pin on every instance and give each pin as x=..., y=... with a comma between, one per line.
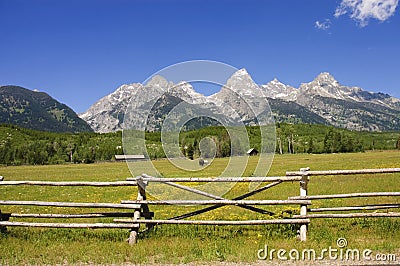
x=3, y=229
x=303, y=208
x=4, y=217
x=145, y=211
x=137, y=213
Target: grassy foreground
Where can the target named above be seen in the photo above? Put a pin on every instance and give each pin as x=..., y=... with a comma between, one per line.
x=183, y=244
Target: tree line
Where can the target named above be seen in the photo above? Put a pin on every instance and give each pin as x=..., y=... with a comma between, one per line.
x=20, y=146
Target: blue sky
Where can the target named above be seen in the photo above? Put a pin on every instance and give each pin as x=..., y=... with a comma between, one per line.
x=81, y=50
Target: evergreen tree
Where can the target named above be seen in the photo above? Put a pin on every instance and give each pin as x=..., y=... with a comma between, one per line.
x=337, y=142
x=347, y=143
x=190, y=151
x=226, y=149
x=328, y=141
x=311, y=147
x=195, y=146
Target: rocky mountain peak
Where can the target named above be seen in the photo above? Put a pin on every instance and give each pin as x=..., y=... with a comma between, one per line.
x=160, y=82
x=275, y=81
x=184, y=90
x=326, y=77
x=242, y=83
x=325, y=85
x=124, y=91
x=241, y=72
x=277, y=90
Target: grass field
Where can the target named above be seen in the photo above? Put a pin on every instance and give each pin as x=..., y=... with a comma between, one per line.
x=183, y=244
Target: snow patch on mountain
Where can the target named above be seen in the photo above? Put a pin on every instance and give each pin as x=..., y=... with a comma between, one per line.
x=277, y=90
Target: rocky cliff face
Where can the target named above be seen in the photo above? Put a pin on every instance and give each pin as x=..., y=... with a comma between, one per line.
x=107, y=114
x=349, y=107
x=322, y=101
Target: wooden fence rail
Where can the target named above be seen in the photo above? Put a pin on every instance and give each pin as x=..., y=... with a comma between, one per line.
x=350, y=195
x=344, y=172
x=70, y=204
x=220, y=222
x=349, y=215
x=214, y=202
x=69, y=184
x=71, y=216
x=70, y=225
x=148, y=178
x=357, y=208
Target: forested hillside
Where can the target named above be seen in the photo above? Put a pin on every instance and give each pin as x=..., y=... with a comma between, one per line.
x=37, y=110
x=20, y=146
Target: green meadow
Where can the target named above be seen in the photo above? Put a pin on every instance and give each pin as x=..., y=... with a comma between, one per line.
x=185, y=243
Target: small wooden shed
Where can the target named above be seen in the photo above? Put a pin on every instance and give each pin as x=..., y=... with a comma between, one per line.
x=252, y=152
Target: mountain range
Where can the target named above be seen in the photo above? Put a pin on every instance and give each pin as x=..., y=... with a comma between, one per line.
x=37, y=110
x=321, y=101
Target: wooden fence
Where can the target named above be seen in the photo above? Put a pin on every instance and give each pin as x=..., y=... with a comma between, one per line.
x=137, y=209
x=5, y=217
x=304, y=210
